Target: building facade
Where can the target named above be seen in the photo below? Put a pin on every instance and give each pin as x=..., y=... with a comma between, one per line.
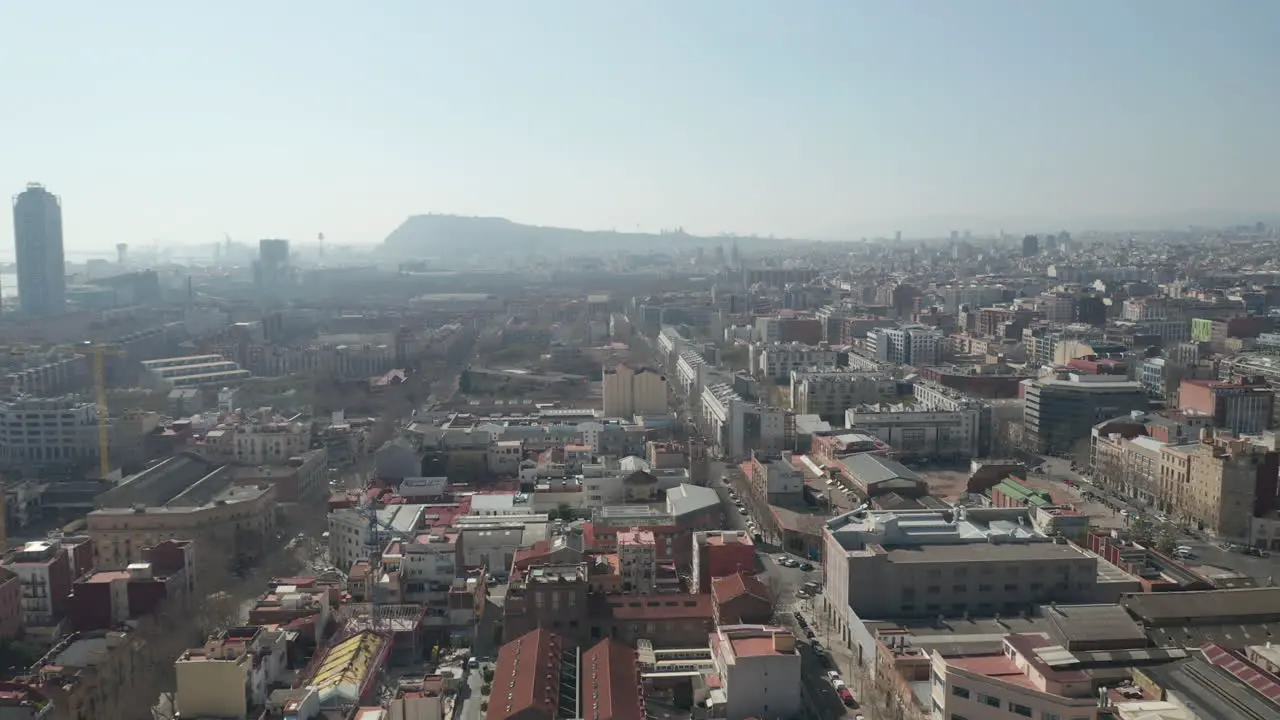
x=37, y=233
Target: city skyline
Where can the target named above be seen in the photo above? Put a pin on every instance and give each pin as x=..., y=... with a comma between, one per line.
x=824, y=121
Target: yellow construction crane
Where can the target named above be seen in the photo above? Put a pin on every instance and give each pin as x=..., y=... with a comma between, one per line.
x=98, y=354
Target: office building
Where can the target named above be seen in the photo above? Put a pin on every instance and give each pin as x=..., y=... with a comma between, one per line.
x=907, y=345
x=47, y=432
x=37, y=234
x=1059, y=411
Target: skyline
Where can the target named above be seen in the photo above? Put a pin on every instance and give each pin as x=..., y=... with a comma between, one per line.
x=827, y=121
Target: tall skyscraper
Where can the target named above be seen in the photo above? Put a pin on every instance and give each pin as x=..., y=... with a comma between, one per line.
x=37, y=234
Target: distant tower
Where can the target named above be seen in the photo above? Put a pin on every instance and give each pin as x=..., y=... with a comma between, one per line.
x=122, y=253
x=1030, y=246
x=37, y=234
x=320, y=237
x=897, y=236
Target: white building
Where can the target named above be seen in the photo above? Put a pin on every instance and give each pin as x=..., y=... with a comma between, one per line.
x=492, y=542
x=759, y=668
x=267, y=443
x=829, y=394
x=351, y=538
x=906, y=345
x=736, y=427
x=503, y=457
x=779, y=360
x=691, y=372
x=47, y=431
x=632, y=391
x=428, y=565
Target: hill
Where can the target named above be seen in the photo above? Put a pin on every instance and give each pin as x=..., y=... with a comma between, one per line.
x=439, y=235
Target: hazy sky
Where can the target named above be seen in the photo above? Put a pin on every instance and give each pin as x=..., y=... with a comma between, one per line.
x=161, y=121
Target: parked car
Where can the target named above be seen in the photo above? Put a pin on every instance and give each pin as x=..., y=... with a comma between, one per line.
x=833, y=675
x=807, y=567
x=846, y=696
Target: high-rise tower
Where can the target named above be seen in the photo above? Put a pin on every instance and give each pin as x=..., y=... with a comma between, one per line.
x=37, y=234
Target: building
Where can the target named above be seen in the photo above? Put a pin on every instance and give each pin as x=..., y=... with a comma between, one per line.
x=829, y=394
x=347, y=673
x=720, y=553
x=46, y=569
x=527, y=677
x=920, y=433
x=1230, y=480
x=1241, y=407
x=609, y=681
x=774, y=478
x=630, y=391
x=1025, y=679
x=193, y=371
x=37, y=234
x=741, y=598
x=759, y=669
x=638, y=561
x=48, y=432
x=929, y=563
x=1131, y=467
x=187, y=497
x=102, y=599
x=11, y=601
x=1059, y=413
x=779, y=360
x=231, y=674
x=302, y=477
x=907, y=345
x=736, y=427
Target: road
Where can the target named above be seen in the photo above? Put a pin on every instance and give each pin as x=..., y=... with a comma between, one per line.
x=1208, y=558
x=819, y=696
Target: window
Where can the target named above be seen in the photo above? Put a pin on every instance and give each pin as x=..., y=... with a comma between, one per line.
x=988, y=700
x=1050, y=716
x=960, y=692
x=1017, y=709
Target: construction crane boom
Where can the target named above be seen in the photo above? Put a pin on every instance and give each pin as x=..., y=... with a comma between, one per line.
x=97, y=356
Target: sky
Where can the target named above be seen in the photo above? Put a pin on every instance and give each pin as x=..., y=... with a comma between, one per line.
x=160, y=122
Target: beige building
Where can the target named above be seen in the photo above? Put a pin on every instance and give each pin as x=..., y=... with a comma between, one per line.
x=1017, y=682
x=1130, y=467
x=184, y=497
x=926, y=563
x=230, y=674
x=91, y=675
x=1227, y=478
x=1175, y=481
x=630, y=391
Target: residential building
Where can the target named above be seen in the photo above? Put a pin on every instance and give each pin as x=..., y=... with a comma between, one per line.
x=92, y=675
x=741, y=598
x=609, y=681
x=638, y=561
x=631, y=391
x=720, y=553
x=1241, y=407
x=193, y=371
x=779, y=360
x=1059, y=412
x=736, y=427
x=829, y=394
x=1131, y=467
x=47, y=432
x=907, y=345
x=102, y=599
x=540, y=675
x=1230, y=480
x=46, y=569
x=759, y=669
x=775, y=479
x=231, y=674
x=926, y=563
x=11, y=602
x=37, y=235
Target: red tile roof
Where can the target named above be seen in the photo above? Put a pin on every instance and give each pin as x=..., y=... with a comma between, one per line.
x=526, y=678
x=610, y=682
x=726, y=588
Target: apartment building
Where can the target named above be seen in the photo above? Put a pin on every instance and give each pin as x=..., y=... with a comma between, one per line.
x=907, y=345
x=692, y=372
x=720, y=553
x=1060, y=410
x=775, y=479
x=927, y=563
x=46, y=570
x=638, y=561
x=231, y=674
x=629, y=391
x=1230, y=481
x=759, y=669
x=829, y=394
x=779, y=360
x=1131, y=467
x=919, y=434
x=45, y=432
x=736, y=427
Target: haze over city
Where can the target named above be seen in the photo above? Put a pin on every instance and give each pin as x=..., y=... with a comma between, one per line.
x=815, y=119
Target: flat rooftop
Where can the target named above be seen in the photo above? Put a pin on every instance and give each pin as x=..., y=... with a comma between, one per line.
x=1029, y=552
